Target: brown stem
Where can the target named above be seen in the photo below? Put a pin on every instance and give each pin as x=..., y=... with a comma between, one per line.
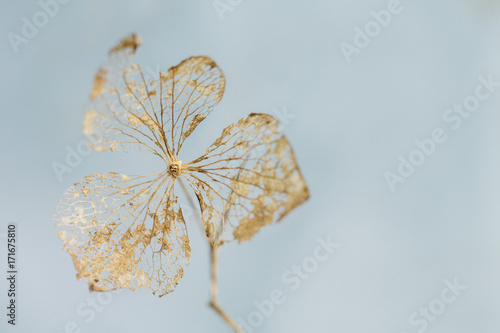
x=214, y=255
x=214, y=302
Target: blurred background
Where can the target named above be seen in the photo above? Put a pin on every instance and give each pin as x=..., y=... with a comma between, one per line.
x=355, y=85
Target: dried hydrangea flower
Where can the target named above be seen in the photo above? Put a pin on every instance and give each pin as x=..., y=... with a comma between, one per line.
x=128, y=231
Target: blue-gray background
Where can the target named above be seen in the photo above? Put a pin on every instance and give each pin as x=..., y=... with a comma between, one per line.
x=350, y=123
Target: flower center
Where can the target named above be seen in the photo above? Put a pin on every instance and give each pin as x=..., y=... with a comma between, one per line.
x=175, y=168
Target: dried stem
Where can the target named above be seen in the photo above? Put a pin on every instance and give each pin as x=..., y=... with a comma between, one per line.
x=214, y=301
x=214, y=255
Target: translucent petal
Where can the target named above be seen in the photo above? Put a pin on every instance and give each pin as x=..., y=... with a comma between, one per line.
x=125, y=232
x=132, y=110
x=247, y=178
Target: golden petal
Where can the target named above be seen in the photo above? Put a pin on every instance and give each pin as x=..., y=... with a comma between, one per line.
x=117, y=232
x=247, y=178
